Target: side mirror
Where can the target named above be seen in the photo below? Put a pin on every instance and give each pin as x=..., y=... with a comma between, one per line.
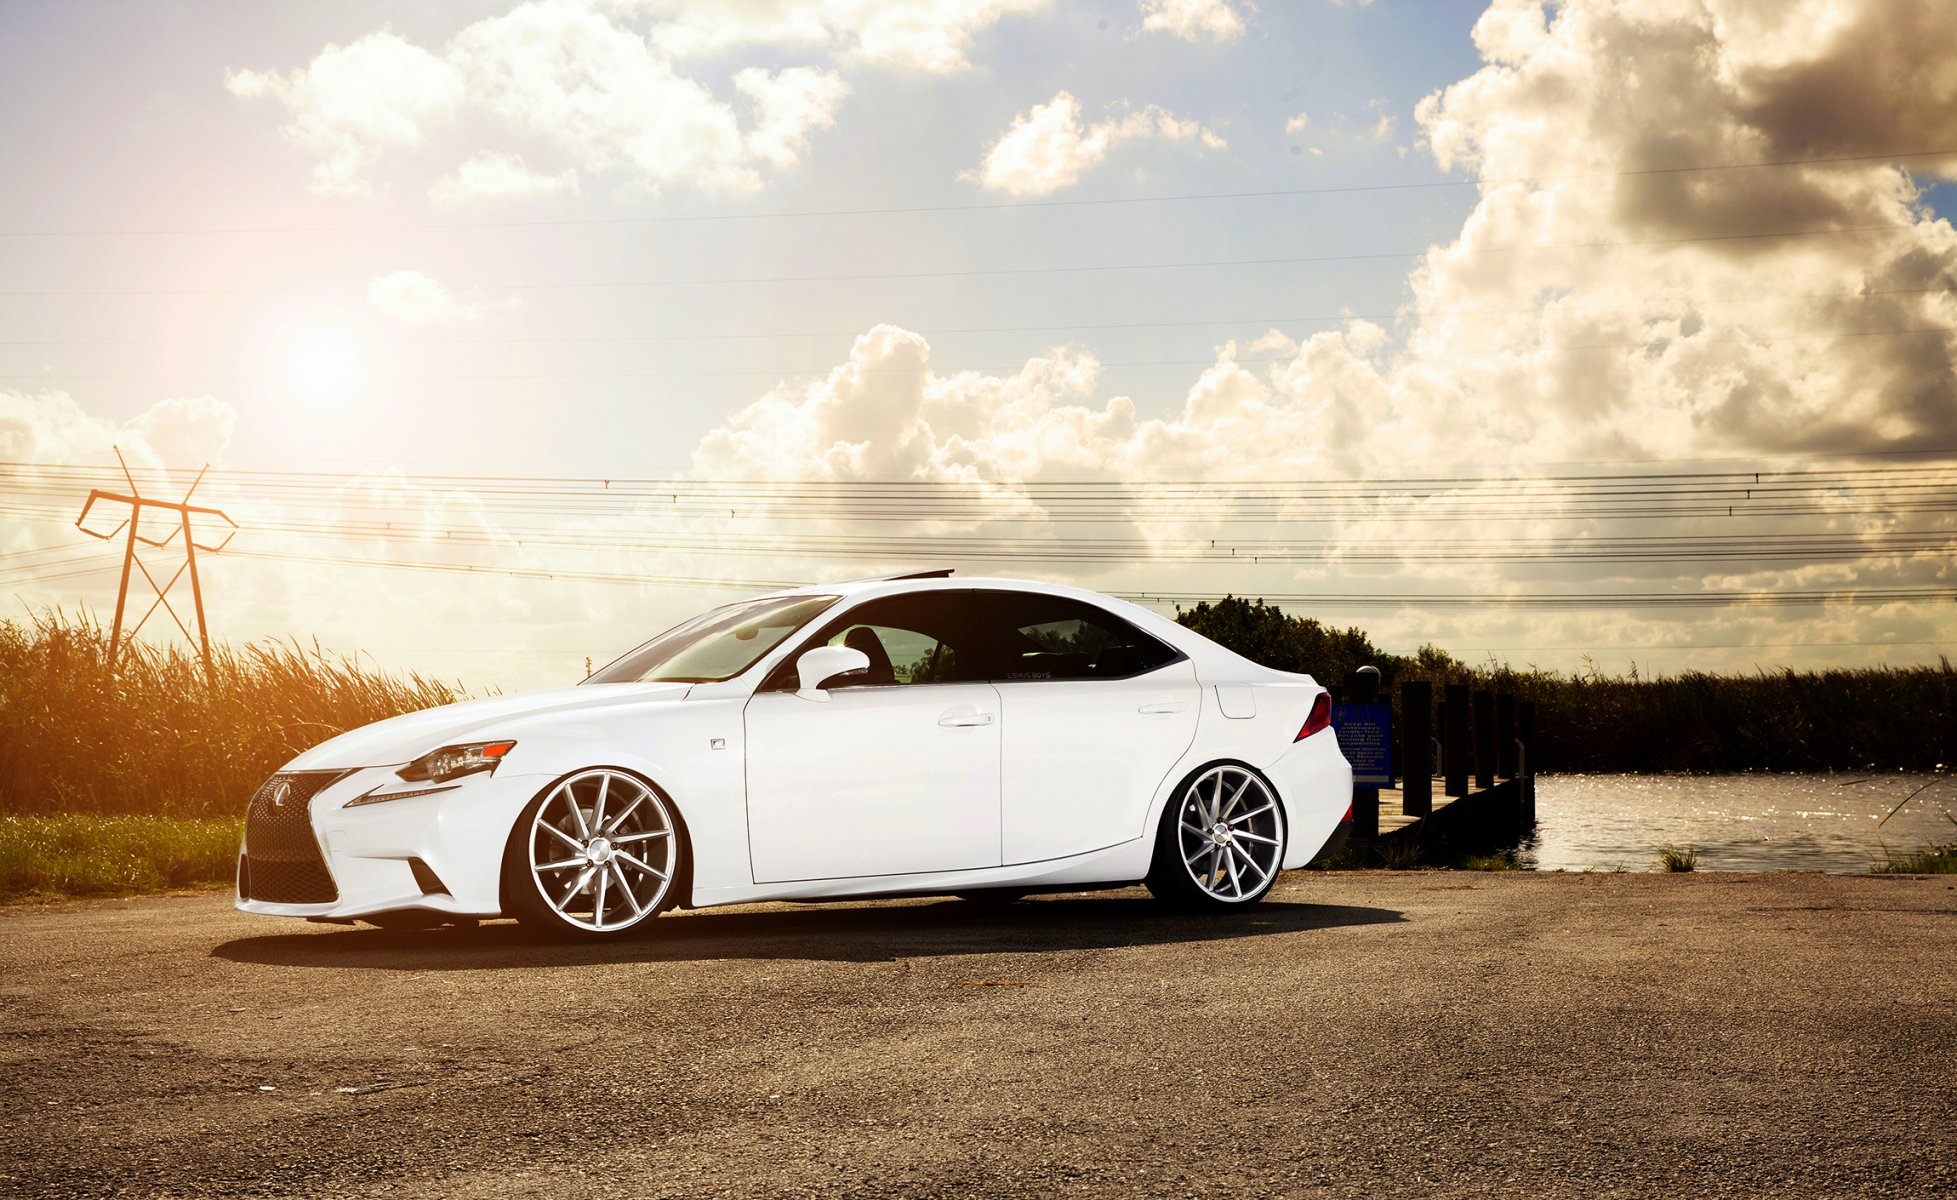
x=818, y=666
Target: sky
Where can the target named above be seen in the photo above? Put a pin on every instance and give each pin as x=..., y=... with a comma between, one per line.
x=1596, y=333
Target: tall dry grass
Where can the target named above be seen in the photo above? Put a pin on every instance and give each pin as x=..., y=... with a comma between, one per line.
x=156, y=736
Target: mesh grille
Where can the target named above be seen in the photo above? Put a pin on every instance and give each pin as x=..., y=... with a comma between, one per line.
x=282, y=860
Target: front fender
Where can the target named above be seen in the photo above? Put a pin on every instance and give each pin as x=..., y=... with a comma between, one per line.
x=694, y=751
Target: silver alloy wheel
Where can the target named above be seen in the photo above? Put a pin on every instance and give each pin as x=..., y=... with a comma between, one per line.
x=603, y=850
x=1231, y=833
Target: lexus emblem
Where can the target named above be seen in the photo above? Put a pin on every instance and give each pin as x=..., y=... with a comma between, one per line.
x=281, y=792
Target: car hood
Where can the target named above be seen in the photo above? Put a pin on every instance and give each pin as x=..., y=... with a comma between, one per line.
x=407, y=737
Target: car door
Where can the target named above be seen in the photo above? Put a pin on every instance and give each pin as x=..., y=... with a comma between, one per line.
x=897, y=771
x=1096, y=713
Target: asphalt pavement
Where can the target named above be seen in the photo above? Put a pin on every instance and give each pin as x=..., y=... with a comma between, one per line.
x=1363, y=1034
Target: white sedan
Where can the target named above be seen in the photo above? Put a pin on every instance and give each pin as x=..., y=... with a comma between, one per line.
x=907, y=735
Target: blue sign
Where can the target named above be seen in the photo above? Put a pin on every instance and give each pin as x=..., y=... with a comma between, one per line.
x=1365, y=733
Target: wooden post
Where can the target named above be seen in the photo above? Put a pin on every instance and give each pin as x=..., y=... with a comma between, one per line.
x=1484, y=739
x=1505, y=734
x=1454, y=738
x=1417, y=748
x=1362, y=687
x=1525, y=731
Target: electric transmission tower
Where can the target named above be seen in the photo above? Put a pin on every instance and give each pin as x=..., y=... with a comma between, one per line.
x=137, y=503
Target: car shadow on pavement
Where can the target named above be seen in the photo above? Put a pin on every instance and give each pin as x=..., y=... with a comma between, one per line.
x=854, y=933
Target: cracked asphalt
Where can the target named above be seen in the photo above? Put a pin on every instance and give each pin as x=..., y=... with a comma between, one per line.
x=1366, y=1034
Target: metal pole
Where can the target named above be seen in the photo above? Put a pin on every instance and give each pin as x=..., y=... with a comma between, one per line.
x=196, y=588
x=197, y=596
x=1362, y=687
x=122, y=591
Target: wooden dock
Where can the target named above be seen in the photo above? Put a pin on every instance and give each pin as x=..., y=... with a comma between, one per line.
x=1493, y=813
x=1465, y=767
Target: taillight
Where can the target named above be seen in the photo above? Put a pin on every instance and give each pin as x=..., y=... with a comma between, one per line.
x=1320, y=718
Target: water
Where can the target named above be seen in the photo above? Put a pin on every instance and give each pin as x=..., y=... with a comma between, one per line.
x=1737, y=822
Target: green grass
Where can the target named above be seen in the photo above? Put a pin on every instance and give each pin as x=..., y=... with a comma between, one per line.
x=114, y=856
x=1930, y=860
x=1678, y=859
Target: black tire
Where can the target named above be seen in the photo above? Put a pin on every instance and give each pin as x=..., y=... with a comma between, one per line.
x=1249, y=868
x=523, y=898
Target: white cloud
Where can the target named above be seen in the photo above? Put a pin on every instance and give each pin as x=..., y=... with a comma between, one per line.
x=1047, y=147
x=927, y=36
x=557, y=70
x=595, y=87
x=788, y=104
x=1682, y=343
x=1298, y=124
x=352, y=102
x=498, y=175
x=1197, y=20
x=417, y=299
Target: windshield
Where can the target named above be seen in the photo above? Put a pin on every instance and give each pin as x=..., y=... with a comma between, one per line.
x=716, y=645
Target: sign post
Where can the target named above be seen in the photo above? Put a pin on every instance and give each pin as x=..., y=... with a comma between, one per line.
x=1365, y=733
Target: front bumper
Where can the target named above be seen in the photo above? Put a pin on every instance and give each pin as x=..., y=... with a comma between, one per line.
x=457, y=835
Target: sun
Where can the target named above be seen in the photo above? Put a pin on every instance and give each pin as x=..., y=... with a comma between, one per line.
x=327, y=367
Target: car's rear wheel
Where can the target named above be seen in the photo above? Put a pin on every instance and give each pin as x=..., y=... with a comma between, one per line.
x=595, y=855
x=1222, y=840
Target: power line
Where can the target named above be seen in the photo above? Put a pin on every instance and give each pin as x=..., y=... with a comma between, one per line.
x=1212, y=551
x=667, y=485
x=1586, y=599
x=1642, y=305
x=998, y=206
x=995, y=272
x=1329, y=600
x=771, y=372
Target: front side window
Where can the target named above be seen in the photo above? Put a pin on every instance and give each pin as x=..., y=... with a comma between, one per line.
x=716, y=645
x=1041, y=638
x=924, y=637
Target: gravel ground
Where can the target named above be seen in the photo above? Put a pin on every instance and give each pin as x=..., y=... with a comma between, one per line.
x=1419, y=1034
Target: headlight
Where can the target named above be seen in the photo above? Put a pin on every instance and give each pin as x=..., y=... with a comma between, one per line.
x=453, y=762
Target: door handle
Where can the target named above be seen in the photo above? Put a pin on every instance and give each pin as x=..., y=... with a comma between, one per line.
x=962, y=718
x=1162, y=708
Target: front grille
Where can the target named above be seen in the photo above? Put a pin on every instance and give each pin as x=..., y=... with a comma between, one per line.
x=282, y=860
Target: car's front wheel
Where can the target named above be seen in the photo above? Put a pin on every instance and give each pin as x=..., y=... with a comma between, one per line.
x=1222, y=839
x=594, y=855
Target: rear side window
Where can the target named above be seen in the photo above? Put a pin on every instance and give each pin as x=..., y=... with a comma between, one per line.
x=1040, y=638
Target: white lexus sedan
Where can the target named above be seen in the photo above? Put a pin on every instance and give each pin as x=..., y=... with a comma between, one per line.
x=906, y=735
